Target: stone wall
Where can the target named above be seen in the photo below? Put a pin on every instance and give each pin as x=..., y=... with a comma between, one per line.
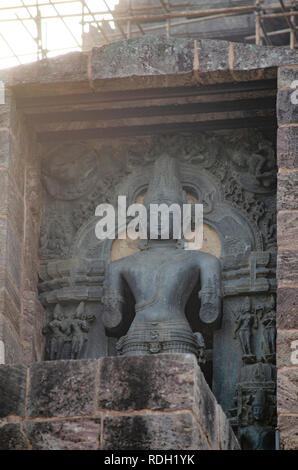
x=20, y=206
x=124, y=403
x=287, y=265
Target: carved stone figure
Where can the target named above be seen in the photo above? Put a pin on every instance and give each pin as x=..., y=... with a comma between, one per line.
x=53, y=241
x=268, y=319
x=161, y=279
x=79, y=328
x=56, y=331
x=257, y=436
x=246, y=320
x=66, y=336
x=69, y=170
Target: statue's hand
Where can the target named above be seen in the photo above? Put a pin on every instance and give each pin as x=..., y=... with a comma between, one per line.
x=210, y=309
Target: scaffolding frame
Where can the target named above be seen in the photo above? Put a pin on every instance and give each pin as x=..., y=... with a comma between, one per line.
x=131, y=21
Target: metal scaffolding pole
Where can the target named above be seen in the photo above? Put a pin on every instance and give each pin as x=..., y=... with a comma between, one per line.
x=130, y=20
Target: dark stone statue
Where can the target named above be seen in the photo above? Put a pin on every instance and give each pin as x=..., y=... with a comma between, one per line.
x=66, y=336
x=268, y=319
x=161, y=279
x=257, y=436
x=245, y=321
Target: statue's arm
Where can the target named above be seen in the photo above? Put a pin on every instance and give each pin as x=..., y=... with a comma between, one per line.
x=238, y=323
x=211, y=289
x=113, y=298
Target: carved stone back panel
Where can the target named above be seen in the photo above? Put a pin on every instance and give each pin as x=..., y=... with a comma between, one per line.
x=234, y=176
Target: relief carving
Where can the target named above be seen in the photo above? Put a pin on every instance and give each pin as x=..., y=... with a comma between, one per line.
x=234, y=177
x=66, y=335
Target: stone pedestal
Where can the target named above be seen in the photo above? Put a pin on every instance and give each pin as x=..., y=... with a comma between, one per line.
x=114, y=403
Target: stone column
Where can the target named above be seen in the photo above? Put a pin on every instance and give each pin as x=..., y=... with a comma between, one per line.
x=287, y=262
x=19, y=228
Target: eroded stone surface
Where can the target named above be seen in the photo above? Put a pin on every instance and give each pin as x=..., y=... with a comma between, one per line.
x=287, y=228
x=69, y=67
x=287, y=307
x=11, y=437
x=287, y=147
x=286, y=75
x=176, y=431
x=226, y=436
x=287, y=111
x=287, y=267
x=73, y=434
x=12, y=390
x=287, y=192
x=61, y=388
x=284, y=341
x=287, y=383
x=288, y=426
x=135, y=383
x=205, y=407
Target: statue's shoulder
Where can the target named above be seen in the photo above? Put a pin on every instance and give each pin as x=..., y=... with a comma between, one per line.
x=202, y=255
x=123, y=262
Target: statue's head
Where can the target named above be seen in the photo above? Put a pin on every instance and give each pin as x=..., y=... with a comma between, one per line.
x=57, y=313
x=258, y=406
x=164, y=188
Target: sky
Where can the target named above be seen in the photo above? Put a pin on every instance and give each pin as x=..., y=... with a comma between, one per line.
x=16, y=39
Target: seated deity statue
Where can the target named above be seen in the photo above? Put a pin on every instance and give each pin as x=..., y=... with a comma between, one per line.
x=160, y=279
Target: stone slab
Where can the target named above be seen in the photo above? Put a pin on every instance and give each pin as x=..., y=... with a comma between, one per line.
x=136, y=383
x=12, y=390
x=161, y=431
x=61, y=388
x=72, y=434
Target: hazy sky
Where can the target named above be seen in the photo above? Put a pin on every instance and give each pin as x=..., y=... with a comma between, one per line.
x=56, y=38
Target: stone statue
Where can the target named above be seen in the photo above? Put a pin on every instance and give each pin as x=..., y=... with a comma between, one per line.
x=66, y=336
x=245, y=321
x=79, y=328
x=161, y=279
x=257, y=436
x=268, y=319
x=56, y=331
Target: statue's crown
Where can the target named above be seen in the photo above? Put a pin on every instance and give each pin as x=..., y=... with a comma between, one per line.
x=164, y=186
x=259, y=398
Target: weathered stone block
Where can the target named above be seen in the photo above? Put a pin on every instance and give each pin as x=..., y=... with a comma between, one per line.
x=162, y=431
x=287, y=229
x=287, y=110
x=12, y=390
x=11, y=203
x=284, y=349
x=288, y=426
x=286, y=75
x=250, y=56
x=10, y=251
x=11, y=343
x=61, y=388
x=4, y=147
x=10, y=305
x=72, y=434
x=136, y=383
x=287, y=147
x=287, y=266
x=287, y=383
x=226, y=436
x=287, y=190
x=70, y=67
x=287, y=307
x=211, y=61
x=11, y=437
x=33, y=321
x=205, y=408
x=159, y=55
